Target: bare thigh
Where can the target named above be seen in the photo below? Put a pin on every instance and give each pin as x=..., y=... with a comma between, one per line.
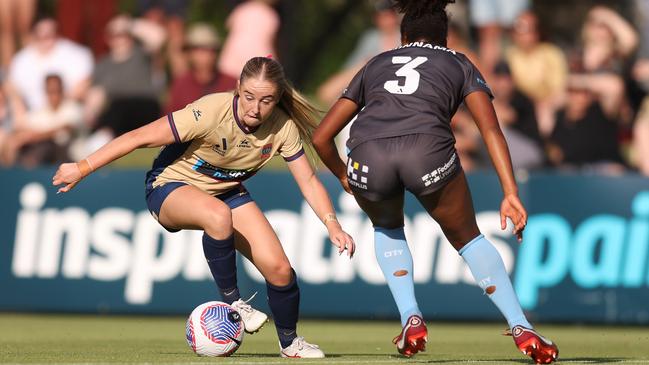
x=257, y=241
x=452, y=207
x=188, y=207
x=385, y=213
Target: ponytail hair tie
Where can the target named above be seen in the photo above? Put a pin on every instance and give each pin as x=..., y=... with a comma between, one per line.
x=270, y=55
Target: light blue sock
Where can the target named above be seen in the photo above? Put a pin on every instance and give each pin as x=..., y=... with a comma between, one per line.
x=395, y=260
x=489, y=271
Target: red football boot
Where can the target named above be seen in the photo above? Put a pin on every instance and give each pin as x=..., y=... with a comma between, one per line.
x=532, y=344
x=413, y=337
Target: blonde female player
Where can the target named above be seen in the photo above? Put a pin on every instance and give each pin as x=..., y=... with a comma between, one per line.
x=212, y=146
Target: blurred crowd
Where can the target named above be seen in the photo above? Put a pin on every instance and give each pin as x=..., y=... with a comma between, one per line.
x=74, y=79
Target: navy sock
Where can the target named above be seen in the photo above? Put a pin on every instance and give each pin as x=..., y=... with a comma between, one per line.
x=284, y=303
x=222, y=260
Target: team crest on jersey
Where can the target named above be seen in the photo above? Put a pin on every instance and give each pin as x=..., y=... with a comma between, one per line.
x=265, y=151
x=197, y=114
x=220, y=148
x=244, y=144
x=357, y=174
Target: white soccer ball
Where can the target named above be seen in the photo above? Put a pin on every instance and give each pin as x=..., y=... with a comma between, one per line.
x=214, y=329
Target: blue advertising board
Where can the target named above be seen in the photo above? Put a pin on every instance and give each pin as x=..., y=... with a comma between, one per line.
x=585, y=255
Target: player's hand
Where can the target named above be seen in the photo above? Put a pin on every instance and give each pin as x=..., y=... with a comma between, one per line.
x=69, y=175
x=345, y=184
x=341, y=239
x=512, y=208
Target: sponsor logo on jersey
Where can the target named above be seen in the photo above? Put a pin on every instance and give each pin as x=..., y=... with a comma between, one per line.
x=197, y=114
x=221, y=173
x=482, y=82
x=357, y=174
x=265, y=151
x=220, y=148
x=440, y=172
x=244, y=144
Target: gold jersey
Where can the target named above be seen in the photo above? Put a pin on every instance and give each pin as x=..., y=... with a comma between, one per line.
x=215, y=151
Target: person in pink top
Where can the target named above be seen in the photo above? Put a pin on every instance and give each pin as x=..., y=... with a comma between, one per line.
x=244, y=41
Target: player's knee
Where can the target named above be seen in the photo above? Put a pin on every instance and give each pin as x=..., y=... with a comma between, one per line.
x=218, y=218
x=459, y=238
x=280, y=273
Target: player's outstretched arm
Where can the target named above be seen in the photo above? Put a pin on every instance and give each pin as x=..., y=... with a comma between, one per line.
x=155, y=134
x=316, y=195
x=484, y=115
x=323, y=138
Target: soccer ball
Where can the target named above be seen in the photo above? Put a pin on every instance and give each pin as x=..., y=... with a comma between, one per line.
x=214, y=329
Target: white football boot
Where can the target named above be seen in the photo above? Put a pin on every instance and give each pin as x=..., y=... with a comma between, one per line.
x=300, y=349
x=252, y=319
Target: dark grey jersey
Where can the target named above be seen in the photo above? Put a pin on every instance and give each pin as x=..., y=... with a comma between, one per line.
x=415, y=88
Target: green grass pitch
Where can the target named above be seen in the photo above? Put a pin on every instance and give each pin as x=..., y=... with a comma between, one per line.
x=79, y=339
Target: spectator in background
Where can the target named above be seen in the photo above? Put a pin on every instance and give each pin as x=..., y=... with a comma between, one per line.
x=47, y=54
x=84, y=21
x=586, y=131
x=492, y=18
x=123, y=96
x=202, y=76
x=383, y=37
x=43, y=137
x=608, y=40
x=170, y=15
x=517, y=117
x=253, y=27
x=16, y=18
x=539, y=69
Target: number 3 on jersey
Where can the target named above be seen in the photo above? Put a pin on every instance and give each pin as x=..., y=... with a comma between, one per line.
x=408, y=71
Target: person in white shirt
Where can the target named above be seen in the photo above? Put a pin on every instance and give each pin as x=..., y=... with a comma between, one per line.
x=44, y=135
x=47, y=54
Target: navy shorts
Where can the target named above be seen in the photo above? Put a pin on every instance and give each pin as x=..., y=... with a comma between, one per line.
x=383, y=168
x=234, y=198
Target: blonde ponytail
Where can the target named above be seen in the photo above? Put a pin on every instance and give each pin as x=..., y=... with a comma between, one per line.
x=304, y=115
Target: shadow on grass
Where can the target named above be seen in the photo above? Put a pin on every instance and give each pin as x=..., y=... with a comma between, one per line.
x=420, y=360
x=571, y=360
x=275, y=355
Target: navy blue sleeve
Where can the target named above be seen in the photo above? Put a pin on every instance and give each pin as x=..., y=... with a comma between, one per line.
x=473, y=81
x=356, y=89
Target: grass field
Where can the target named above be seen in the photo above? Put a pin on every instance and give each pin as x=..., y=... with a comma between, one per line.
x=67, y=339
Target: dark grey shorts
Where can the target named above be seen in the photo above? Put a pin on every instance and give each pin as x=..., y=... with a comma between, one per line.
x=383, y=168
